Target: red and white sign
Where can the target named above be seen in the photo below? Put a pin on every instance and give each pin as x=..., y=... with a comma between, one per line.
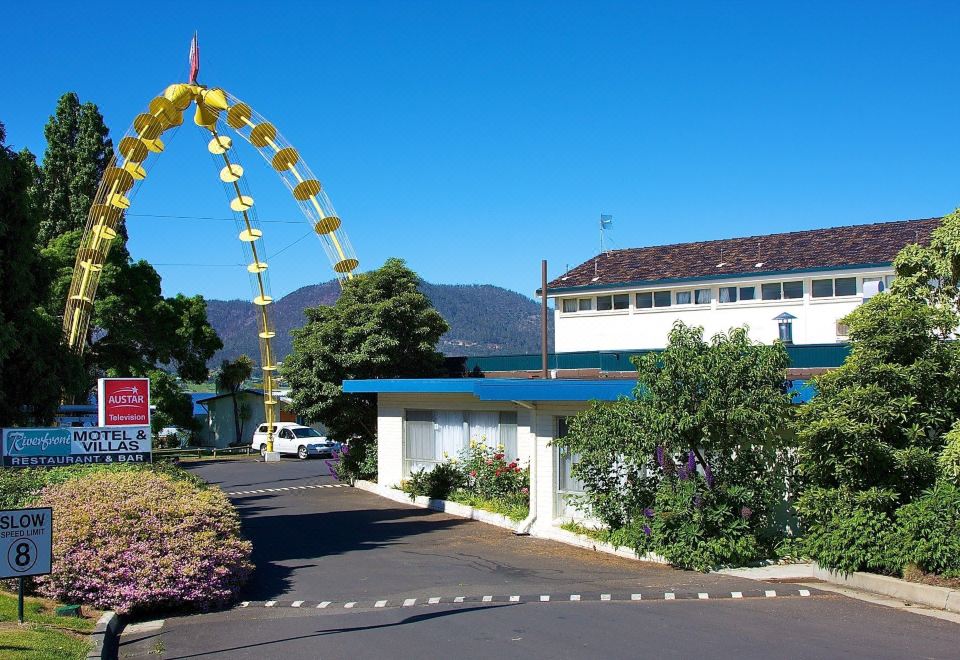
x=123, y=401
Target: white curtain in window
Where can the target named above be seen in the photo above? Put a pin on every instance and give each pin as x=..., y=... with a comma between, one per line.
x=449, y=427
x=485, y=428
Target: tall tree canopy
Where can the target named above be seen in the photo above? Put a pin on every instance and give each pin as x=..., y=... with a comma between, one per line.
x=380, y=327
x=33, y=362
x=134, y=328
x=78, y=150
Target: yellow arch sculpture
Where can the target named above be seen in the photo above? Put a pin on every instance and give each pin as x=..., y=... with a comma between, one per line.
x=216, y=111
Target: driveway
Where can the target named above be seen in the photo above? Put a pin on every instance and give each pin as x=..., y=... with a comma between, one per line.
x=344, y=573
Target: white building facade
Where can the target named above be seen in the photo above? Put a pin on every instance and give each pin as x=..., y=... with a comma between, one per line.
x=630, y=299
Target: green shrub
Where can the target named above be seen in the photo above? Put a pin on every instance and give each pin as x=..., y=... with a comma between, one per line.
x=701, y=528
x=437, y=484
x=490, y=475
x=20, y=487
x=143, y=540
x=927, y=532
x=848, y=530
x=358, y=461
x=949, y=460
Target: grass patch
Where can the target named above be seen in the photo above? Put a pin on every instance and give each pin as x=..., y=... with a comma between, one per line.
x=602, y=535
x=44, y=635
x=514, y=509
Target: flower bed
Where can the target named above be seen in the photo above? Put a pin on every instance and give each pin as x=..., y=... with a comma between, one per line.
x=140, y=539
x=481, y=477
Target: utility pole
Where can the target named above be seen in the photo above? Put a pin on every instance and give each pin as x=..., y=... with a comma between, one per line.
x=543, y=319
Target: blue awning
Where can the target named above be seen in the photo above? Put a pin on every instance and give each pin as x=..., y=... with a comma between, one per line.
x=500, y=389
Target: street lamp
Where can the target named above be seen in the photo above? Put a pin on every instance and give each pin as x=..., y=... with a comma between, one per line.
x=785, y=324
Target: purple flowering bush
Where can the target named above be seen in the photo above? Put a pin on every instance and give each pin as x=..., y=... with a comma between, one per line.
x=139, y=541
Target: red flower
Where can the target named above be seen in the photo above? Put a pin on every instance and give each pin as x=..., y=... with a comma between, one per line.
x=498, y=472
x=473, y=473
x=512, y=466
x=498, y=457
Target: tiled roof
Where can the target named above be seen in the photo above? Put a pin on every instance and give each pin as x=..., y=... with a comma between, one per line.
x=816, y=249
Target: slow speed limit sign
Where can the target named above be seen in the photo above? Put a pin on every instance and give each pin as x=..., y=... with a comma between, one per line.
x=26, y=542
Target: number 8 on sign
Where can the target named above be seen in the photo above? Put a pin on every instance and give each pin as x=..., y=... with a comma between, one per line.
x=22, y=555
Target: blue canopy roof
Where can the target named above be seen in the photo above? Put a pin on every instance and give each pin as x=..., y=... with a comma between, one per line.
x=500, y=389
x=525, y=389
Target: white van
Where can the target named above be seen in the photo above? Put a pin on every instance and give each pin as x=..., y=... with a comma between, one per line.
x=293, y=438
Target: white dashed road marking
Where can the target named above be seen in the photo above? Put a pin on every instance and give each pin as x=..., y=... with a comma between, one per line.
x=287, y=488
x=541, y=598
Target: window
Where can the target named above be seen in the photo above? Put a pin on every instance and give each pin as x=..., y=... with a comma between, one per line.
x=621, y=301
x=702, y=296
x=841, y=286
x=843, y=330
x=822, y=288
x=792, y=290
x=286, y=434
x=565, y=481
x=747, y=293
x=604, y=303
x=569, y=305
x=888, y=280
x=661, y=299
x=644, y=300
x=434, y=436
x=728, y=294
x=683, y=297
x=770, y=291
x=845, y=286
x=585, y=304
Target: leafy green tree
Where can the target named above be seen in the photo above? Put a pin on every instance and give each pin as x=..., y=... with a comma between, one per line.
x=134, y=329
x=694, y=467
x=869, y=442
x=381, y=326
x=34, y=364
x=230, y=380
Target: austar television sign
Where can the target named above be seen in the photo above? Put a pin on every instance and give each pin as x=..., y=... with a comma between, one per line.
x=123, y=401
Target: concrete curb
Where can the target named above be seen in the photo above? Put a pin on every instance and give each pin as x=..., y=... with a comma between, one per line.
x=453, y=508
x=539, y=531
x=939, y=598
x=103, y=639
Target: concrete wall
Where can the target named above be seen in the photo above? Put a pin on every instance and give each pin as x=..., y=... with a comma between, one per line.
x=536, y=429
x=635, y=328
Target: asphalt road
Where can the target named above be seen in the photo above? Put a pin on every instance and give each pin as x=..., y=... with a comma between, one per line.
x=343, y=573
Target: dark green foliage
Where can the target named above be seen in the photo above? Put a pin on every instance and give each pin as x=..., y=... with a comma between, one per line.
x=380, y=327
x=694, y=467
x=438, y=483
x=358, y=461
x=927, y=533
x=78, y=150
x=701, y=528
x=34, y=364
x=848, y=530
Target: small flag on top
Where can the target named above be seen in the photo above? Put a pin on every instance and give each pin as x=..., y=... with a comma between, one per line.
x=194, y=59
x=605, y=221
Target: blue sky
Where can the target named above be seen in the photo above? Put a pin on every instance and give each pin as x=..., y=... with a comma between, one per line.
x=475, y=138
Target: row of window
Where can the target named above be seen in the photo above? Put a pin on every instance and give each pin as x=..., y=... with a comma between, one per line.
x=791, y=290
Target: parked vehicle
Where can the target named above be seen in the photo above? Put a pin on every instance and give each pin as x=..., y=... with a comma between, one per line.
x=293, y=438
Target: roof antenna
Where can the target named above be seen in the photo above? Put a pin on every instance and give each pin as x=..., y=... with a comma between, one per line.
x=759, y=263
x=722, y=262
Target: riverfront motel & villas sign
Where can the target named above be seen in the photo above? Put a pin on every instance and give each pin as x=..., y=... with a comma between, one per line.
x=123, y=435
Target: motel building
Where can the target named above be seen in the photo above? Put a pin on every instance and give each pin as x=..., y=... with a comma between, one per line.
x=794, y=286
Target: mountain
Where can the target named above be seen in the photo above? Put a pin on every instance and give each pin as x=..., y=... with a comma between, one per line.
x=484, y=320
